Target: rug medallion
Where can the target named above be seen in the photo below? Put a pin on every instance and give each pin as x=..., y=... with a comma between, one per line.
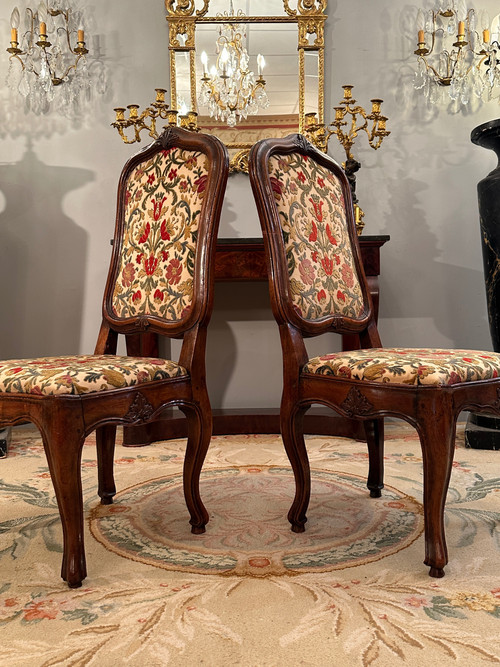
x=248, y=532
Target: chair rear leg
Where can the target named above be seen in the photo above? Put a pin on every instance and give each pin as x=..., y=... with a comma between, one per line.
x=63, y=444
x=374, y=431
x=437, y=438
x=105, y=440
x=199, y=419
x=292, y=433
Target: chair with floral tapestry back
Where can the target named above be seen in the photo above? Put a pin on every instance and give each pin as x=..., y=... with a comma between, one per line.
x=160, y=281
x=318, y=285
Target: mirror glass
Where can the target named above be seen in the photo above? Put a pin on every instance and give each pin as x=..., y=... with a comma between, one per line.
x=283, y=31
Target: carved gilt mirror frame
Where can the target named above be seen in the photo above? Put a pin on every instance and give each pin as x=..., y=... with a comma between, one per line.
x=309, y=17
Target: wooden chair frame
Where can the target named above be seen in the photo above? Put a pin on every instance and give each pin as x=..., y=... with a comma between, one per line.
x=65, y=421
x=431, y=410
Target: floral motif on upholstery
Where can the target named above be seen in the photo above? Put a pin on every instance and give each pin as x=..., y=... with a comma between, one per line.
x=51, y=376
x=163, y=204
x=323, y=279
x=408, y=366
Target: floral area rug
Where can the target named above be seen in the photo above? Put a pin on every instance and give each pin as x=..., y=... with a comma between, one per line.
x=351, y=590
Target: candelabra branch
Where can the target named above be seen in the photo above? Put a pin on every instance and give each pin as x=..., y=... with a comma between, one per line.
x=147, y=120
x=350, y=120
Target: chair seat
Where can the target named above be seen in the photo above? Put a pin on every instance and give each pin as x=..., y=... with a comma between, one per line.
x=84, y=374
x=408, y=366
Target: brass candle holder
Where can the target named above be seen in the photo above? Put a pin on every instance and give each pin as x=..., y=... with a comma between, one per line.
x=350, y=119
x=146, y=120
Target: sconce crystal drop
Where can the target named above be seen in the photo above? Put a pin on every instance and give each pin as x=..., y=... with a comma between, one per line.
x=457, y=52
x=48, y=63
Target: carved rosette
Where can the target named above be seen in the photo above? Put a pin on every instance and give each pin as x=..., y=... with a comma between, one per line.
x=356, y=404
x=140, y=410
x=185, y=26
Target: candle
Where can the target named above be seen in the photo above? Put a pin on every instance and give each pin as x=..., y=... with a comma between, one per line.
x=486, y=36
x=81, y=36
x=461, y=28
x=261, y=63
x=43, y=29
x=421, y=37
x=204, y=62
x=13, y=34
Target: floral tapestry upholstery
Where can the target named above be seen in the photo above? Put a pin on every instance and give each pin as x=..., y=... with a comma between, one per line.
x=164, y=196
x=408, y=366
x=311, y=207
x=52, y=376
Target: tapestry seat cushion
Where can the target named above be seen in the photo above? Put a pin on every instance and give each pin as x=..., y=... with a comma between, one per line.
x=408, y=366
x=82, y=374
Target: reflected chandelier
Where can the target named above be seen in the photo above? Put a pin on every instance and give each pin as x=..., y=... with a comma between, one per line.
x=455, y=52
x=229, y=88
x=49, y=45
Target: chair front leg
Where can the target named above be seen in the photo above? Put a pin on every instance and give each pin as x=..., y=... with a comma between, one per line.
x=292, y=433
x=105, y=441
x=63, y=442
x=199, y=419
x=374, y=431
x=437, y=438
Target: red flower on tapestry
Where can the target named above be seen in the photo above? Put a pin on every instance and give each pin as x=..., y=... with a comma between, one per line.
x=128, y=274
x=163, y=231
x=301, y=177
x=151, y=179
x=321, y=295
x=37, y=611
x=341, y=296
x=158, y=295
x=345, y=371
x=157, y=206
x=174, y=271
x=183, y=186
x=139, y=257
x=306, y=271
x=331, y=237
x=313, y=236
x=166, y=151
x=277, y=187
x=327, y=265
x=150, y=265
x=318, y=209
x=348, y=275
x=172, y=174
x=314, y=256
x=137, y=296
x=145, y=234
x=128, y=195
x=321, y=182
x=201, y=184
x=454, y=378
x=185, y=312
x=164, y=255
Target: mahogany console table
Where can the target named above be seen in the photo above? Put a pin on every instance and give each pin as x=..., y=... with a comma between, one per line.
x=242, y=260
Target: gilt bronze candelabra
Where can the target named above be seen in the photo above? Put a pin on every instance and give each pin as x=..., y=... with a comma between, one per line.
x=346, y=131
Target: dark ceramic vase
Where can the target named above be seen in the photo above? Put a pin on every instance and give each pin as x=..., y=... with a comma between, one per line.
x=483, y=431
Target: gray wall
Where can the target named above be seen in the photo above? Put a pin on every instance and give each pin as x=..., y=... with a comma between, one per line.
x=58, y=183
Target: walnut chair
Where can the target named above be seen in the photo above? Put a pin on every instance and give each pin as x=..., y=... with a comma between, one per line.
x=317, y=285
x=160, y=281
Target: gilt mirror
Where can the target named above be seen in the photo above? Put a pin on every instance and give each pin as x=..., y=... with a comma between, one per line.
x=280, y=46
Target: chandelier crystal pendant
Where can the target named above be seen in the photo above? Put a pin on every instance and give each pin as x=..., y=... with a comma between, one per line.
x=457, y=52
x=229, y=88
x=48, y=54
